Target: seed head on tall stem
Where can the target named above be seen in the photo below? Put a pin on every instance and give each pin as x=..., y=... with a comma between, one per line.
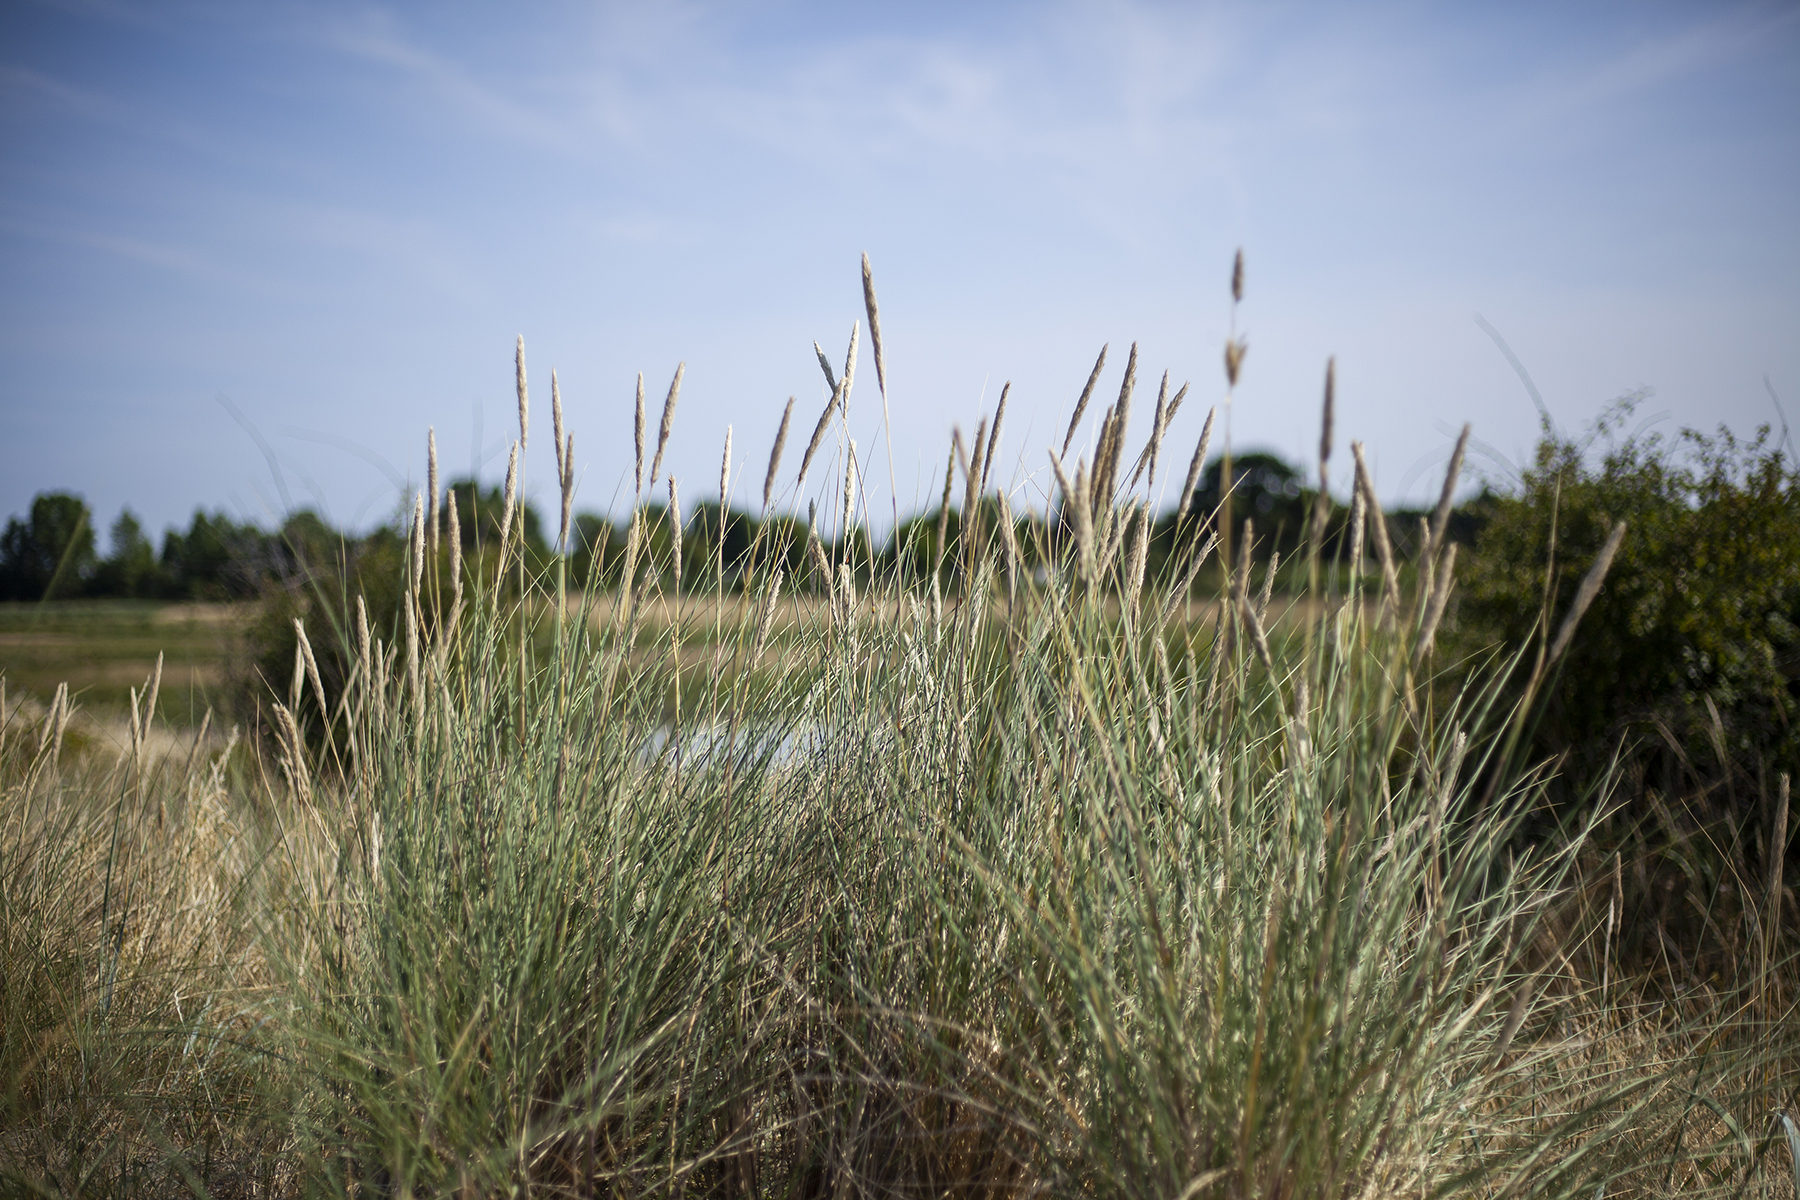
x=668, y=422
x=775, y=454
x=519, y=380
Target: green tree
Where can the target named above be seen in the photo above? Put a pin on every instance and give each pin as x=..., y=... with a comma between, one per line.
x=49, y=554
x=131, y=569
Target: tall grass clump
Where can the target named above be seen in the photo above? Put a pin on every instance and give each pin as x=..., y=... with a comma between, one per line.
x=1006, y=868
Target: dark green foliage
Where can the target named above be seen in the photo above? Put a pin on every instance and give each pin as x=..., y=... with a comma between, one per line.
x=479, y=513
x=131, y=571
x=49, y=554
x=1695, y=628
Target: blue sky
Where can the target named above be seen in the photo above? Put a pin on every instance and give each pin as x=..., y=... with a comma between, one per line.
x=338, y=217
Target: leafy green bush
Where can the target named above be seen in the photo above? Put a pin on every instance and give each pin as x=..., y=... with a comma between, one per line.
x=1695, y=629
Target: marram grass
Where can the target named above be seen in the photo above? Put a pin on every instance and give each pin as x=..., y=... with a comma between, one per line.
x=1022, y=890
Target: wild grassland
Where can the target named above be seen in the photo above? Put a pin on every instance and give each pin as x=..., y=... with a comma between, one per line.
x=1020, y=888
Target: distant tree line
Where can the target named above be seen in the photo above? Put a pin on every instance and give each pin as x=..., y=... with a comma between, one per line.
x=52, y=551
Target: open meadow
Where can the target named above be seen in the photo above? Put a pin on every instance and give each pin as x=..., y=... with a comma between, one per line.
x=1057, y=856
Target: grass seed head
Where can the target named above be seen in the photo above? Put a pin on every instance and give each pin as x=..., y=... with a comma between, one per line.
x=725, y=474
x=638, y=439
x=524, y=405
x=850, y=362
x=455, y=548
x=818, y=435
x=831, y=383
x=868, y=282
x=1087, y=394
x=1197, y=464
x=675, y=529
x=418, y=542
x=1235, y=349
x=668, y=422
x=431, y=482
x=987, y=462
x=1440, y=519
x=775, y=454
x=1237, y=277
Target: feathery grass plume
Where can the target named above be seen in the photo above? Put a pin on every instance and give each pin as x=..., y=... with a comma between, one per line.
x=637, y=430
x=1584, y=595
x=987, y=462
x=456, y=586
x=524, y=405
x=409, y=616
x=771, y=601
x=849, y=518
x=1075, y=496
x=943, y=525
x=1165, y=412
x=1147, y=456
x=850, y=363
x=418, y=541
x=1175, y=403
x=816, y=549
x=1181, y=591
x=293, y=754
x=556, y=420
x=675, y=529
x=1197, y=464
x=1235, y=349
x=55, y=723
x=1268, y=589
x=1139, y=558
x=1121, y=421
x=1377, y=522
x=668, y=422
x=1015, y=561
x=818, y=435
x=1237, y=277
x=431, y=483
x=1081, y=404
x=312, y=670
x=831, y=382
x=775, y=454
x=972, y=472
x=868, y=280
x=1109, y=428
x=1322, y=503
x=1434, y=608
x=364, y=648
x=565, y=474
x=568, y=490
x=1427, y=580
x=1259, y=639
x=154, y=686
x=1441, y=518
x=1358, y=524
x=508, y=502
